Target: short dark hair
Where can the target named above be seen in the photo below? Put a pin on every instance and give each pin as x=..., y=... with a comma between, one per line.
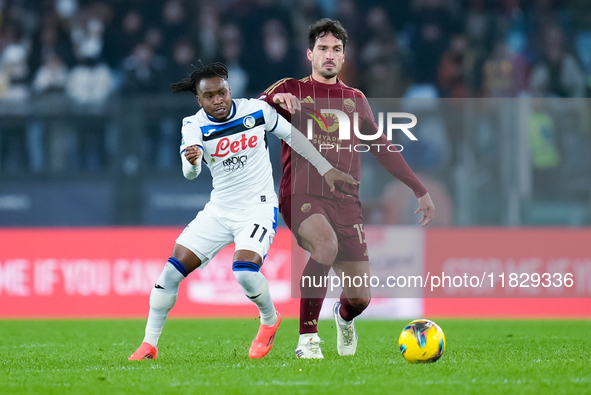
x=191, y=83
x=324, y=26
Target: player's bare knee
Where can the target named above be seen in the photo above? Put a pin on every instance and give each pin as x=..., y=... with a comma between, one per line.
x=248, y=256
x=187, y=257
x=322, y=246
x=325, y=251
x=317, y=236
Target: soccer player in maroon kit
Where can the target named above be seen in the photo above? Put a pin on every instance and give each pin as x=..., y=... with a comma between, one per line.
x=329, y=224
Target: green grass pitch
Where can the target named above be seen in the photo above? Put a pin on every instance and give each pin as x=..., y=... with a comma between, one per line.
x=211, y=357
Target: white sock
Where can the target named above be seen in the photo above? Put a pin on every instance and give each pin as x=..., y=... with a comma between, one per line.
x=255, y=286
x=162, y=299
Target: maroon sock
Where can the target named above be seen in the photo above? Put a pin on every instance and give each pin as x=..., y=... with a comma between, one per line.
x=347, y=310
x=313, y=294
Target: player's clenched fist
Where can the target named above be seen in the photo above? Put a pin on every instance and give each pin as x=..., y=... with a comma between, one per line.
x=193, y=153
x=288, y=102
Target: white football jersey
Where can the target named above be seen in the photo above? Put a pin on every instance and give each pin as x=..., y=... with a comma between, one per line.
x=235, y=150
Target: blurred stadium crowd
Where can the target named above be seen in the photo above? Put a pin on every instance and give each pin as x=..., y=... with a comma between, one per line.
x=461, y=48
x=71, y=71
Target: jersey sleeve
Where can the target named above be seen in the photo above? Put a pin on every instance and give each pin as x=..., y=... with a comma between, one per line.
x=271, y=117
x=300, y=144
x=268, y=95
x=191, y=134
x=191, y=171
x=392, y=161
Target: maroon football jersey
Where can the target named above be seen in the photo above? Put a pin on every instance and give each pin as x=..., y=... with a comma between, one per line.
x=299, y=176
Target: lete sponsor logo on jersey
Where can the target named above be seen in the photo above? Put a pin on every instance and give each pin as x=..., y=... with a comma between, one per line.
x=225, y=147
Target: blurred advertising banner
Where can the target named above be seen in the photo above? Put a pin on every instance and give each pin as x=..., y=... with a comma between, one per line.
x=496, y=272
x=394, y=252
x=507, y=263
x=109, y=272
x=475, y=272
x=410, y=262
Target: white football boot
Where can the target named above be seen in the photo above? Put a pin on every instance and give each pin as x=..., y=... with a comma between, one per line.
x=346, y=333
x=309, y=347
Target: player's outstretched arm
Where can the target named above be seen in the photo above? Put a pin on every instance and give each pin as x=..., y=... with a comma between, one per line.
x=300, y=144
x=191, y=159
x=428, y=208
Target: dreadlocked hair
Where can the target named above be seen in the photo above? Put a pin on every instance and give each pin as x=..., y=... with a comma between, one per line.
x=191, y=83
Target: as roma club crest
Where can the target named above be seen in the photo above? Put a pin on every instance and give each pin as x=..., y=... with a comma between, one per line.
x=306, y=207
x=349, y=105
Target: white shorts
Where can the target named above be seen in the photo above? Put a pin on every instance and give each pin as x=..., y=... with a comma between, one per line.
x=216, y=226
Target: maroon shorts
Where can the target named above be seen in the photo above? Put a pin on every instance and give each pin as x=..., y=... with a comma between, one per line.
x=344, y=217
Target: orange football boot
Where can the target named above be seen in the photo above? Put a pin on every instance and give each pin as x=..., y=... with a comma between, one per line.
x=145, y=351
x=262, y=343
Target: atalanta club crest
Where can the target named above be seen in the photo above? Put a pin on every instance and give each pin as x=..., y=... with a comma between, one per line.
x=249, y=122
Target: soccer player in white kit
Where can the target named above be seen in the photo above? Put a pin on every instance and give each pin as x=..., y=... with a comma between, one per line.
x=230, y=137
